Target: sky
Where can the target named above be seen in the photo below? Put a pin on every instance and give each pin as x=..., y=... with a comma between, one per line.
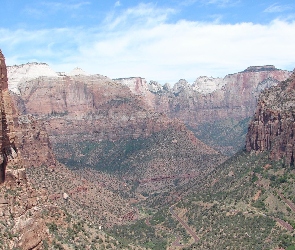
x=158, y=40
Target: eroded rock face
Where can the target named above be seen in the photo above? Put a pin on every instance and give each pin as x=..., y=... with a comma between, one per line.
x=18, y=200
x=8, y=150
x=96, y=122
x=89, y=107
x=273, y=126
x=235, y=97
x=212, y=102
x=33, y=143
x=209, y=99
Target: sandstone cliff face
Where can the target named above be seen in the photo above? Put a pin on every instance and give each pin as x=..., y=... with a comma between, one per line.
x=273, y=126
x=95, y=122
x=8, y=151
x=221, y=105
x=33, y=143
x=211, y=99
x=89, y=107
x=20, y=204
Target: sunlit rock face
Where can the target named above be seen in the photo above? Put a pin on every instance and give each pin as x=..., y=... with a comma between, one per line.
x=223, y=104
x=208, y=98
x=24, y=72
x=273, y=126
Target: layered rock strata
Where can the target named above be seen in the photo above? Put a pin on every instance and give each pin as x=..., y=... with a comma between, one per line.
x=96, y=122
x=8, y=150
x=273, y=126
x=209, y=99
x=89, y=107
x=222, y=105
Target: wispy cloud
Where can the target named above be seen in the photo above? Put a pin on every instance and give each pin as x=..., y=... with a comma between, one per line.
x=117, y=4
x=275, y=8
x=143, y=14
x=64, y=6
x=150, y=46
x=47, y=8
x=220, y=3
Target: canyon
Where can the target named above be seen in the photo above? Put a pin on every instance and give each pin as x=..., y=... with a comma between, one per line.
x=217, y=110
x=84, y=153
x=93, y=121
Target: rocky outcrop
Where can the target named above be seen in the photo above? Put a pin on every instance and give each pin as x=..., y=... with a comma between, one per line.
x=212, y=102
x=273, y=126
x=24, y=72
x=89, y=107
x=18, y=200
x=33, y=143
x=8, y=151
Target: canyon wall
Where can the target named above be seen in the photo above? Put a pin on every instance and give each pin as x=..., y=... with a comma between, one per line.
x=8, y=152
x=217, y=110
x=273, y=126
x=89, y=107
x=93, y=121
x=208, y=99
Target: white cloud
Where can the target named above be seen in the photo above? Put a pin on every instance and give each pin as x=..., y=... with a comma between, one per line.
x=64, y=6
x=45, y=8
x=140, y=42
x=117, y=4
x=220, y=3
x=141, y=15
x=275, y=8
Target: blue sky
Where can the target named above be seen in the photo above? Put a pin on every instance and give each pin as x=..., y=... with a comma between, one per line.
x=158, y=40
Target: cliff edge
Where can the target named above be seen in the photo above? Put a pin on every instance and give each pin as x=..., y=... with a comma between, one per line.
x=273, y=126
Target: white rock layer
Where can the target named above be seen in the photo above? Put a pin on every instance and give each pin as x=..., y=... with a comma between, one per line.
x=77, y=71
x=24, y=72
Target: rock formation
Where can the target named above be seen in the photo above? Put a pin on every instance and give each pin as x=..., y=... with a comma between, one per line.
x=273, y=126
x=211, y=99
x=8, y=151
x=28, y=219
x=211, y=102
x=17, y=197
x=96, y=122
x=24, y=72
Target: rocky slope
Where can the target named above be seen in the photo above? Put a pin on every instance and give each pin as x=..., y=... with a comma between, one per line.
x=9, y=157
x=22, y=225
x=273, y=126
x=35, y=210
x=247, y=202
x=211, y=103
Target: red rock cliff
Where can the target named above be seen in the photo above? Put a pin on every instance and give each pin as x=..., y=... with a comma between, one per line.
x=273, y=126
x=8, y=153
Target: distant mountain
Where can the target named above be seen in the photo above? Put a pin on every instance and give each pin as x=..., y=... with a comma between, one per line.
x=19, y=73
x=217, y=110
